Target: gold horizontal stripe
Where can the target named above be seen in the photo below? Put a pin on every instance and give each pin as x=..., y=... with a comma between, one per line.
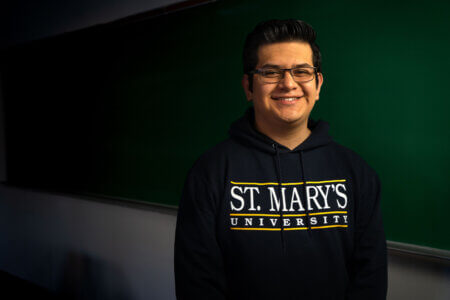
x=328, y=213
x=325, y=181
x=289, y=215
x=300, y=215
x=265, y=183
x=289, y=228
x=255, y=215
x=287, y=183
x=296, y=228
x=330, y=226
x=255, y=228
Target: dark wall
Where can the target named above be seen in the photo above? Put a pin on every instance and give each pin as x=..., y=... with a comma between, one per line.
x=124, y=110
x=26, y=20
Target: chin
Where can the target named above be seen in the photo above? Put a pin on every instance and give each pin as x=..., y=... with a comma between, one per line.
x=291, y=120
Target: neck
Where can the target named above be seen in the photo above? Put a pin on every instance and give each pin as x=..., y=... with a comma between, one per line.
x=288, y=135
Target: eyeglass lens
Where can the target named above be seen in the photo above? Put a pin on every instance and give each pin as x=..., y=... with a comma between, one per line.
x=273, y=75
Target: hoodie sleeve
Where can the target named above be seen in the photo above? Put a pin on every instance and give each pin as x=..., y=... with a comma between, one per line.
x=199, y=270
x=369, y=265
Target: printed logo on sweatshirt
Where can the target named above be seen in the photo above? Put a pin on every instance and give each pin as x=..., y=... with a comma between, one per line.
x=291, y=206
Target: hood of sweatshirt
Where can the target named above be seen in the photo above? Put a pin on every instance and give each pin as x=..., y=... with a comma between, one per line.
x=243, y=130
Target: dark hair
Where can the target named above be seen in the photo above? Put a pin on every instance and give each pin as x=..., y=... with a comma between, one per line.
x=276, y=31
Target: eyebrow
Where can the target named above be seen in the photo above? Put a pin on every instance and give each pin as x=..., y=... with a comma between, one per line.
x=279, y=67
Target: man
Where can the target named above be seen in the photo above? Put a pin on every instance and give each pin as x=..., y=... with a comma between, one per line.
x=280, y=210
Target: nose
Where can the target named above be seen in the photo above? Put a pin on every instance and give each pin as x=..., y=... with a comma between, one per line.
x=288, y=81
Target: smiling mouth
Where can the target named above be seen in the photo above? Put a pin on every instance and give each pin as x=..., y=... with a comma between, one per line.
x=288, y=99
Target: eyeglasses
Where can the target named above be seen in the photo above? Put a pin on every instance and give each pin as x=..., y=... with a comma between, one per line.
x=274, y=75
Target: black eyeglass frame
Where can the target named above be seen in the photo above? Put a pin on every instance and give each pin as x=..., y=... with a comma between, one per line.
x=283, y=72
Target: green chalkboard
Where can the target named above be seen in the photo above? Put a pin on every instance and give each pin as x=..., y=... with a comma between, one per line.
x=110, y=111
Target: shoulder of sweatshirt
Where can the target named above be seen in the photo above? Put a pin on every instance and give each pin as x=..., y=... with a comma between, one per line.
x=211, y=165
x=352, y=159
x=364, y=175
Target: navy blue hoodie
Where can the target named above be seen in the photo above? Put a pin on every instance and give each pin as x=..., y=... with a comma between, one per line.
x=259, y=221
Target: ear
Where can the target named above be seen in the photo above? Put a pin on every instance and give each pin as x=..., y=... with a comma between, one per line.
x=319, y=84
x=246, y=85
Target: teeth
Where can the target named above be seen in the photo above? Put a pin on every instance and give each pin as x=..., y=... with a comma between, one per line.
x=287, y=99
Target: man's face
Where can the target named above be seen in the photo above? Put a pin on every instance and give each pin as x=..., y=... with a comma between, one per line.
x=273, y=101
